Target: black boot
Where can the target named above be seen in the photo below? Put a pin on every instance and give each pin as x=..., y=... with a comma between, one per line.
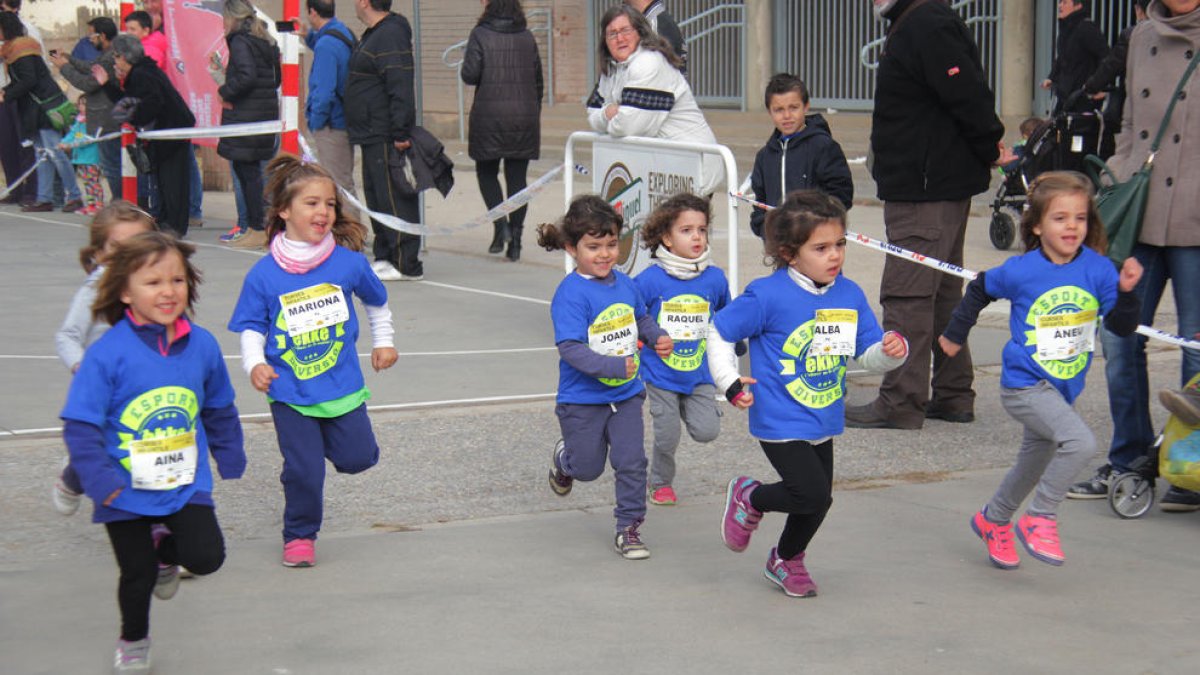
x=501, y=236
x=514, y=244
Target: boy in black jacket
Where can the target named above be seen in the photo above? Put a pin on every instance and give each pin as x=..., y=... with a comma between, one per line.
x=801, y=154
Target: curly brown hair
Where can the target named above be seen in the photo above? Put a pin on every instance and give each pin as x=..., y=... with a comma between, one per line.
x=285, y=174
x=587, y=214
x=789, y=225
x=658, y=224
x=1043, y=191
x=100, y=229
x=132, y=255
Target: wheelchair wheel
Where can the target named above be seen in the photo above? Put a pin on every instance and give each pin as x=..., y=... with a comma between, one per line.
x=1002, y=231
x=1131, y=495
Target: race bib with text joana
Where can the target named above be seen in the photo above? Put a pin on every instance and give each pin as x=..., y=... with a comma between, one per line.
x=835, y=332
x=163, y=463
x=685, y=320
x=1065, y=336
x=315, y=307
x=614, y=333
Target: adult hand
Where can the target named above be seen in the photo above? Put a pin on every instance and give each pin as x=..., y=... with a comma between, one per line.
x=663, y=346
x=949, y=348
x=262, y=376
x=99, y=74
x=1006, y=155
x=1046, y=84
x=610, y=111
x=630, y=367
x=1100, y=96
x=1131, y=273
x=58, y=59
x=383, y=358
x=402, y=145
x=894, y=345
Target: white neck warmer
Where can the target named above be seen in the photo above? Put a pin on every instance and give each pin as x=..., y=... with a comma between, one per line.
x=808, y=284
x=682, y=268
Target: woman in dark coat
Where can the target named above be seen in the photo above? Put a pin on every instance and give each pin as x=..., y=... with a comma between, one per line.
x=503, y=64
x=249, y=94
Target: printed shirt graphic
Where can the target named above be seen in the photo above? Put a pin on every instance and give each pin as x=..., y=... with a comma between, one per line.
x=316, y=356
x=684, y=309
x=1064, y=300
x=604, y=317
x=800, y=393
x=148, y=407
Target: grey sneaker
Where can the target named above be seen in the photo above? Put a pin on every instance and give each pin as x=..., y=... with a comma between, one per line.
x=1178, y=500
x=132, y=657
x=167, y=584
x=560, y=482
x=629, y=543
x=1095, y=487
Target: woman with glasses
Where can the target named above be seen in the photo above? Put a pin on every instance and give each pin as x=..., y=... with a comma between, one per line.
x=642, y=92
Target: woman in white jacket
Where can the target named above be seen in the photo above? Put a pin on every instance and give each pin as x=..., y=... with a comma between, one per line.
x=641, y=91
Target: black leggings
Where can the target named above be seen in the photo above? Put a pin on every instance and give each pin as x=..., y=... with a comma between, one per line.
x=805, y=492
x=488, y=174
x=195, y=542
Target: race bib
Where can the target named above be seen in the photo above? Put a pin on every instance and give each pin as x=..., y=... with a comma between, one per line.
x=835, y=333
x=1065, y=336
x=163, y=463
x=314, y=307
x=684, y=320
x=614, y=337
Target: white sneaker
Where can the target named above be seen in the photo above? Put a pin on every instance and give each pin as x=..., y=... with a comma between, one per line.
x=411, y=277
x=386, y=271
x=132, y=657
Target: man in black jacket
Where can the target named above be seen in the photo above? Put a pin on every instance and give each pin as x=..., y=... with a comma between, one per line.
x=380, y=113
x=1081, y=47
x=934, y=138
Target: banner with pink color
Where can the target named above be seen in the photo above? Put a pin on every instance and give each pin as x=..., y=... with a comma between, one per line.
x=195, y=32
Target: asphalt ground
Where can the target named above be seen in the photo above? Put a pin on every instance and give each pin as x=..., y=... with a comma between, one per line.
x=452, y=554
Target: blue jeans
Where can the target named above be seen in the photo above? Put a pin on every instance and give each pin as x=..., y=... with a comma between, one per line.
x=1125, y=366
x=197, y=186
x=49, y=139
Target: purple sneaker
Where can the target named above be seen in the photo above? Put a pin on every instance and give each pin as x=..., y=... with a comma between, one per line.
x=790, y=575
x=740, y=519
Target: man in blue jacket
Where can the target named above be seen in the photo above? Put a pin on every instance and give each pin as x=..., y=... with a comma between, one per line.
x=331, y=43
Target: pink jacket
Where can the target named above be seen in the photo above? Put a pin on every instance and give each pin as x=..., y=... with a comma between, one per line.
x=155, y=45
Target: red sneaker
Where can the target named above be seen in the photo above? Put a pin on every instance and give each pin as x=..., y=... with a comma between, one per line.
x=299, y=553
x=663, y=496
x=1039, y=534
x=998, y=539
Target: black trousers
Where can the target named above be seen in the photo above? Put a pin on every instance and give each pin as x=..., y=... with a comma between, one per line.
x=399, y=248
x=487, y=172
x=251, y=176
x=172, y=172
x=804, y=493
x=15, y=159
x=195, y=542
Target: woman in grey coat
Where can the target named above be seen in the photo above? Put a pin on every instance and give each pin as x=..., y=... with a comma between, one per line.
x=503, y=64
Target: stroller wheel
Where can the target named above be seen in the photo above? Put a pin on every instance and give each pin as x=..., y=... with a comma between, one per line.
x=1002, y=231
x=1131, y=495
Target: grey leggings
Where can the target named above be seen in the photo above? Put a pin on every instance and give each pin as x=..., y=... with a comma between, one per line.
x=697, y=410
x=1056, y=447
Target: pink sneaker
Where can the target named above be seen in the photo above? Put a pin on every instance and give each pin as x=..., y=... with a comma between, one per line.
x=790, y=575
x=1039, y=534
x=299, y=553
x=663, y=496
x=998, y=539
x=740, y=519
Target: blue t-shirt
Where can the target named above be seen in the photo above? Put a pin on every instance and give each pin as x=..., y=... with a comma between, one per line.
x=1038, y=287
x=604, y=317
x=134, y=394
x=689, y=306
x=320, y=365
x=799, y=395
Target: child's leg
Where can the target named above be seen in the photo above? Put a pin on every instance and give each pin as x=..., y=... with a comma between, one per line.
x=134, y=550
x=627, y=453
x=350, y=441
x=701, y=414
x=584, y=442
x=303, y=448
x=664, y=415
x=195, y=541
x=804, y=493
x=93, y=187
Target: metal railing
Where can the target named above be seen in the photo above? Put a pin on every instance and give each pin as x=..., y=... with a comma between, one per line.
x=715, y=78
x=455, y=61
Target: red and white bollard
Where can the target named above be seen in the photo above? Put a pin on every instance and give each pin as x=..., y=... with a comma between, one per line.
x=128, y=171
x=291, y=81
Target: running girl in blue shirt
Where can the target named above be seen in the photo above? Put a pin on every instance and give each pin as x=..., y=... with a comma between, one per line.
x=150, y=403
x=804, y=322
x=298, y=332
x=1057, y=290
x=682, y=289
x=598, y=316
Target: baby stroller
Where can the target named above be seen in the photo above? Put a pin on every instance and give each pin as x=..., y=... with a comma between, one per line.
x=1175, y=456
x=1059, y=144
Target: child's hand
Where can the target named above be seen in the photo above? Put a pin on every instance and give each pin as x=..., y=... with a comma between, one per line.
x=664, y=346
x=630, y=367
x=383, y=358
x=113, y=496
x=1131, y=274
x=894, y=345
x=262, y=376
x=951, y=349
x=743, y=398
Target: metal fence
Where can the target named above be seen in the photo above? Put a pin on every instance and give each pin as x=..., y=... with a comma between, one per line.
x=834, y=44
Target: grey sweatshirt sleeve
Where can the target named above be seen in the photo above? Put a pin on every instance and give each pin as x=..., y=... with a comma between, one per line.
x=72, y=337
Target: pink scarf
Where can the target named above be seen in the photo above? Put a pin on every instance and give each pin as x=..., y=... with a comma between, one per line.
x=299, y=257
